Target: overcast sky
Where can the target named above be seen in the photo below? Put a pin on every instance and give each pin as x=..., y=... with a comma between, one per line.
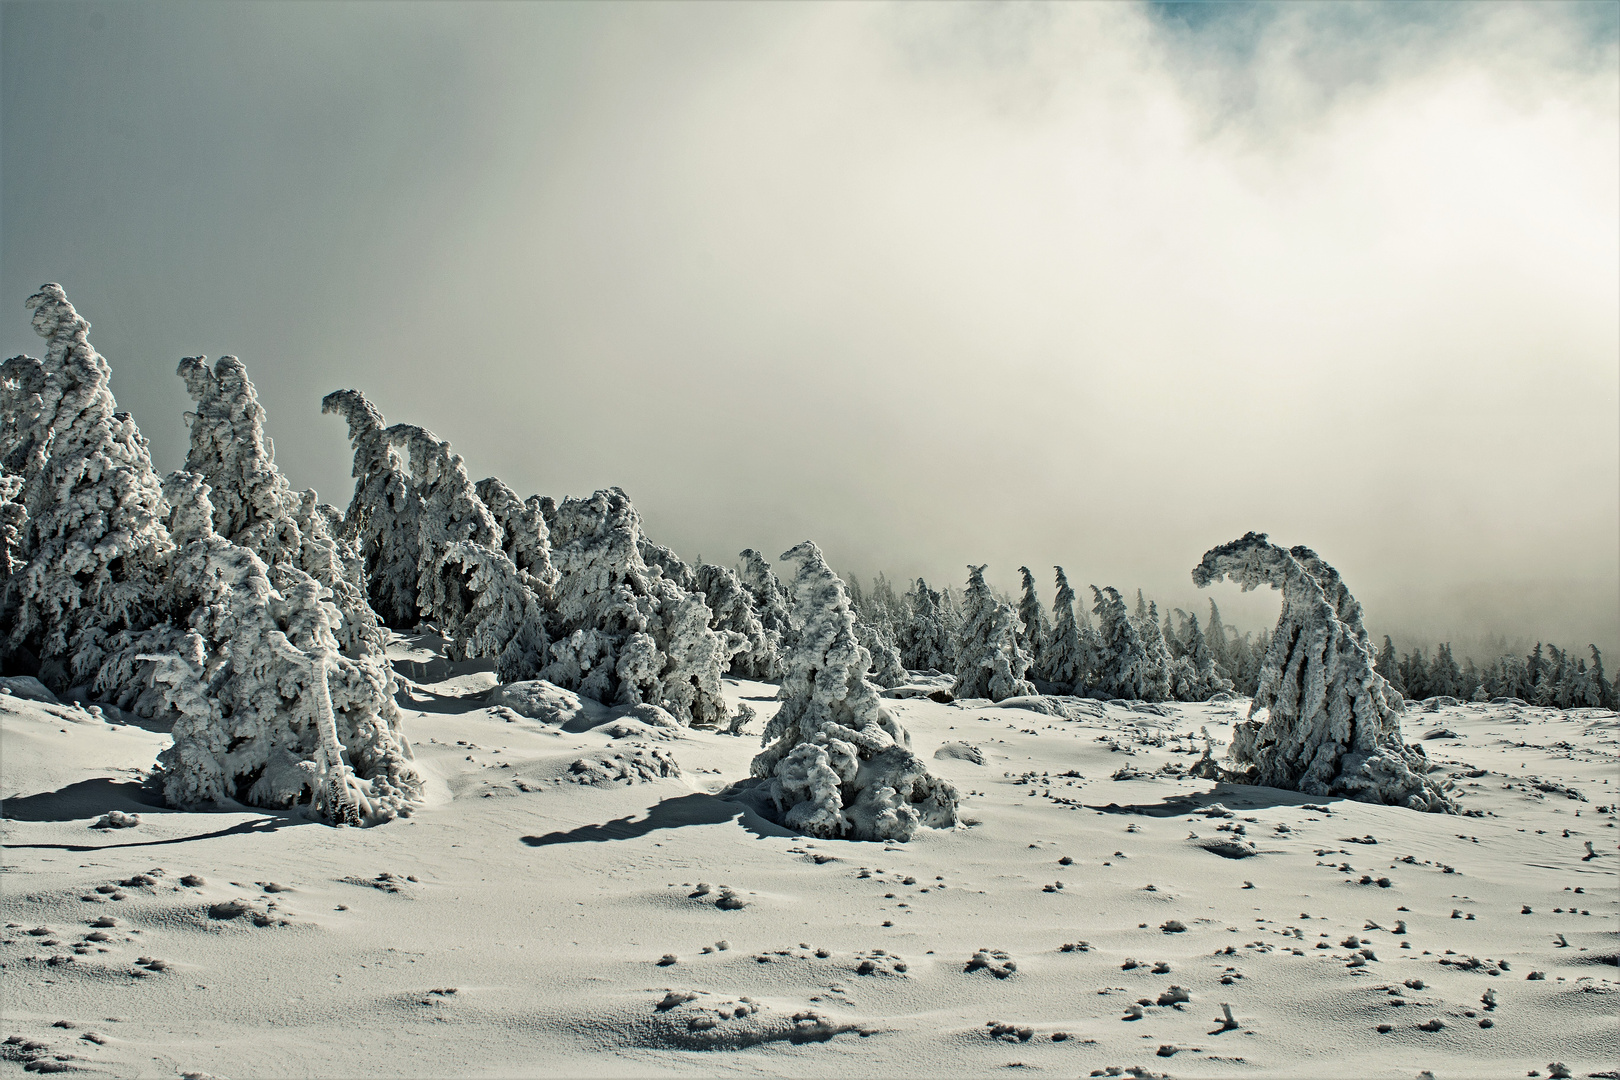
x=1094, y=284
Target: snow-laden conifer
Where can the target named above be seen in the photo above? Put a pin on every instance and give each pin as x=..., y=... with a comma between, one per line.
x=92, y=547
x=670, y=565
x=1125, y=669
x=1065, y=658
x=1333, y=724
x=270, y=712
x=836, y=763
x=925, y=637
x=771, y=600
x=1195, y=676
x=1037, y=631
x=254, y=504
x=525, y=536
x=381, y=521
x=449, y=512
x=887, y=670
x=505, y=619
x=1157, y=673
x=990, y=662
x=733, y=610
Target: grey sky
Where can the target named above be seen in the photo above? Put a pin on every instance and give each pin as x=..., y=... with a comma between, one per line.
x=1093, y=284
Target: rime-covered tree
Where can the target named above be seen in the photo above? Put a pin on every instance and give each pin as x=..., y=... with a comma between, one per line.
x=1445, y=677
x=503, y=618
x=733, y=611
x=1333, y=725
x=887, y=670
x=1388, y=666
x=1036, y=630
x=606, y=595
x=990, y=663
x=1219, y=648
x=92, y=550
x=1067, y=659
x=13, y=519
x=1195, y=675
x=271, y=713
x=670, y=565
x=771, y=600
x=925, y=638
x=1607, y=697
x=1125, y=668
x=382, y=519
x=836, y=763
x=254, y=504
x=525, y=537
x=1157, y=672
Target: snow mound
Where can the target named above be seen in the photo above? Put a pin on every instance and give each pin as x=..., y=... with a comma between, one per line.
x=959, y=751
x=548, y=703
x=702, y=1020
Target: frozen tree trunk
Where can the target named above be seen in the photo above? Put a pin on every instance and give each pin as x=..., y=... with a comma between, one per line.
x=1333, y=724
x=254, y=505
x=990, y=663
x=836, y=764
x=382, y=518
x=91, y=549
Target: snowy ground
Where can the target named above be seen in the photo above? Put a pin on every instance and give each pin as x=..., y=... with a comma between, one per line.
x=528, y=923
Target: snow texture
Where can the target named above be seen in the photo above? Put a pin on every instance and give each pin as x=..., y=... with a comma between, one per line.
x=1333, y=726
x=836, y=763
x=990, y=662
x=270, y=712
x=91, y=549
x=255, y=506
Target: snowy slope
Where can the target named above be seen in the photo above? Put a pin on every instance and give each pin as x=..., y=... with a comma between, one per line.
x=520, y=923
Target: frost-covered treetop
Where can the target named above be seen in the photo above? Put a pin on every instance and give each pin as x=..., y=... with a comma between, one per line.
x=230, y=448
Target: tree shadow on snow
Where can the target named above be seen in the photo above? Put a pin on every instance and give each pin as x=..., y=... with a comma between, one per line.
x=1232, y=796
x=694, y=809
x=91, y=798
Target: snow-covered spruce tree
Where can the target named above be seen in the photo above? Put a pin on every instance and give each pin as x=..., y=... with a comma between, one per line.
x=989, y=660
x=1124, y=669
x=1066, y=661
x=92, y=550
x=1219, y=648
x=1333, y=724
x=1607, y=698
x=887, y=670
x=255, y=506
x=1196, y=677
x=525, y=536
x=449, y=512
x=13, y=519
x=925, y=640
x=606, y=595
x=1445, y=678
x=270, y=712
x=504, y=618
x=733, y=610
x=1037, y=632
x=1157, y=686
x=670, y=565
x=836, y=763
x=381, y=521
x=771, y=600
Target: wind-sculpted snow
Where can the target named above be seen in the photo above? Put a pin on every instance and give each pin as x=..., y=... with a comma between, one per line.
x=836, y=763
x=91, y=543
x=1333, y=726
x=270, y=712
x=990, y=662
x=256, y=507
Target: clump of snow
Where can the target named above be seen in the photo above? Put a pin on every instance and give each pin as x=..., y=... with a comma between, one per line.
x=990, y=661
x=1333, y=726
x=836, y=763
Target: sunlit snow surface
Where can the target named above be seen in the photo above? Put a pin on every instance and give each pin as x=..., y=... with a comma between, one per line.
x=576, y=902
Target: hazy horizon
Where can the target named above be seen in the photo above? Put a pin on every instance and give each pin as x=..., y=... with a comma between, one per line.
x=1101, y=285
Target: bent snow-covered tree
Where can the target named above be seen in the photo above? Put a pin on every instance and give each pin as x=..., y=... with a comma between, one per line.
x=990, y=662
x=836, y=763
x=270, y=712
x=254, y=504
x=381, y=521
x=1333, y=724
